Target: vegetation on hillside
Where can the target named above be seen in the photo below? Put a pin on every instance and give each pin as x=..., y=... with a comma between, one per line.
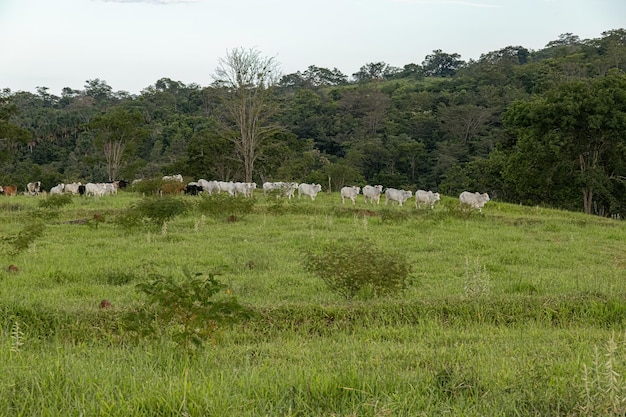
x=537, y=127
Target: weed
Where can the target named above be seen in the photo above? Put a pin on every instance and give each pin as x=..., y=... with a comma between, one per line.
x=604, y=389
x=17, y=337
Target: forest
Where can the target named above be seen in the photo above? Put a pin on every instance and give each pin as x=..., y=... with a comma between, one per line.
x=533, y=127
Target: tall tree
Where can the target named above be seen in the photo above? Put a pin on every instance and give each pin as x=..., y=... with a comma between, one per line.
x=441, y=64
x=247, y=79
x=115, y=130
x=11, y=135
x=582, y=124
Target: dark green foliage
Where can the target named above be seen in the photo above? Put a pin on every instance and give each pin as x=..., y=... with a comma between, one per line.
x=24, y=238
x=55, y=201
x=224, y=206
x=153, y=212
x=189, y=309
x=358, y=269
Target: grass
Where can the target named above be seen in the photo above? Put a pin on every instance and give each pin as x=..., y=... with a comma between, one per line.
x=515, y=311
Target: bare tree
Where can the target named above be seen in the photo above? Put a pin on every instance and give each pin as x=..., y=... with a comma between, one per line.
x=246, y=80
x=114, y=131
x=113, y=151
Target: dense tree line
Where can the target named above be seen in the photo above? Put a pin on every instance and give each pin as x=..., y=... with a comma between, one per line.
x=532, y=127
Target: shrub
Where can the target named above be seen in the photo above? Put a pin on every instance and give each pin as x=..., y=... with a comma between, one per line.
x=148, y=186
x=358, y=268
x=225, y=206
x=153, y=211
x=55, y=201
x=188, y=308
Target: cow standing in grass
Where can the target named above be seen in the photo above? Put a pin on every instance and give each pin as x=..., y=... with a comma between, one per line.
x=33, y=188
x=372, y=193
x=309, y=189
x=474, y=200
x=399, y=196
x=350, y=193
x=426, y=197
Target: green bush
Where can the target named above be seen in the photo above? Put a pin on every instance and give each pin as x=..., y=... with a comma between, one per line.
x=152, y=211
x=187, y=310
x=55, y=201
x=225, y=206
x=148, y=186
x=358, y=269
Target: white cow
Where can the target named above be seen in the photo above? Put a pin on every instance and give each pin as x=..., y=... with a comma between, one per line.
x=95, y=189
x=426, y=197
x=72, y=188
x=399, y=196
x=287, y=189
x=372, y=193
x=209, y=187
x=350, y=193
x=176, y=177
x=309, y=189
x=57, y=189
x=33, y=188
x=244, y=188
x=474, y=200
x=226, y=186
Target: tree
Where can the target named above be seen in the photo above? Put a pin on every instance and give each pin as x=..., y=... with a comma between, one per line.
x=375, y=71
x=11, y=135
x=115, y=130
x=579, y=127
x=441, y=64
x=247, y=80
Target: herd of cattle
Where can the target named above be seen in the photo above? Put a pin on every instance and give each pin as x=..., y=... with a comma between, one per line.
x=371, y=193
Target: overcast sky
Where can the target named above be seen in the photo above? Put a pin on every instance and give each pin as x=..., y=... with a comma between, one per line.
x=131, y=44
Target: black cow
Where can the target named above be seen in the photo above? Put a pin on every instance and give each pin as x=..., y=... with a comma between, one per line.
x=193, y=188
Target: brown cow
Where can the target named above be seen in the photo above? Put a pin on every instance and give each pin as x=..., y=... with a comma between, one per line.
x=10, y=190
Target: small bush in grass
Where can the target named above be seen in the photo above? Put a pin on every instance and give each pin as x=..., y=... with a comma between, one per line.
x=358, y=269
x=55, y=201
x=225, y=206
x=152, y=211
x=190, y=309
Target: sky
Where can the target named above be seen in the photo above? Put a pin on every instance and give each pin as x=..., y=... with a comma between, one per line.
x=131, y=44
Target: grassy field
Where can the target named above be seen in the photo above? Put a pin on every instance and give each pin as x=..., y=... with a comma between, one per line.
x=516, y=311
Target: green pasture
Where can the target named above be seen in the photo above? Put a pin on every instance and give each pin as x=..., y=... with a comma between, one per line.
x=514, y=311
